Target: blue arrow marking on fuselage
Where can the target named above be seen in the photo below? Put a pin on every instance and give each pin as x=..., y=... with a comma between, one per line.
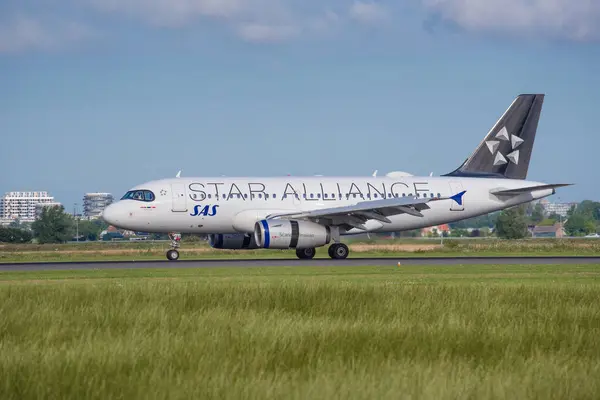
x=458, y=198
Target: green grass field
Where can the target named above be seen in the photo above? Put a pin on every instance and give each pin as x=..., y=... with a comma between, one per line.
x=473, y=332
x=376, y=248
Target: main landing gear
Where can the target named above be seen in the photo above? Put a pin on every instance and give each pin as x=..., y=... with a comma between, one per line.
x=337, y=251
x=305, y=254
x=173, y=254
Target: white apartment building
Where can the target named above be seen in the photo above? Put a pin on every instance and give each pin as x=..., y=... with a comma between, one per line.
x=95, y=203
x=22, y=205
x=559, y=208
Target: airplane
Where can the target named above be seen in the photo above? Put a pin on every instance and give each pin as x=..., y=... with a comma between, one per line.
x=304, y=213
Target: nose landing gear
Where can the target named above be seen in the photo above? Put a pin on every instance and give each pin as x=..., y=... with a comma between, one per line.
x=173, y=254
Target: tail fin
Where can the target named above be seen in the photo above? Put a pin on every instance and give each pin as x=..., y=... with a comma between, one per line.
x=506, y=150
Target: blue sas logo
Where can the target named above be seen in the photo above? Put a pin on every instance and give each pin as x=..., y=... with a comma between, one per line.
x=206, y=211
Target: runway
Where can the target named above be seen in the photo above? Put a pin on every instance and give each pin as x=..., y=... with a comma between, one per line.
x=324, y=262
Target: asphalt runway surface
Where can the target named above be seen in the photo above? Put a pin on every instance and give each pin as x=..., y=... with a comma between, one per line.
x=319, y=262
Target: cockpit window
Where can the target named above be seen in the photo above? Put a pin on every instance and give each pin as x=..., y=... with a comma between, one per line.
x=139, y=195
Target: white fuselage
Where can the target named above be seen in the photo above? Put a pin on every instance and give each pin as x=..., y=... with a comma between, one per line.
x=233, y=205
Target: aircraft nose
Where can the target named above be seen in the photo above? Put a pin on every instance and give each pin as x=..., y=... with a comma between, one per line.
x=112, y=215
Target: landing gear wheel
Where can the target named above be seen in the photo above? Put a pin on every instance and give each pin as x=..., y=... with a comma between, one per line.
x=305, y=254
x=338, y=251
x=172, y=255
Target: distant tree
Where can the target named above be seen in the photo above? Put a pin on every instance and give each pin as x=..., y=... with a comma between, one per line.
x=409, y=234
x=458, y=232
x=53, y=225
x=547, y=222
x=579, y=225
x=483, y=221
x=90, y=230
x=589, y=209
x=554, y=216
x=512, y=223
x=14, y=235
x=537, y=215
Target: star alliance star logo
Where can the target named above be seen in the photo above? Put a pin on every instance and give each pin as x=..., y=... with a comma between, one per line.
x=163, y=192
x=493, y=146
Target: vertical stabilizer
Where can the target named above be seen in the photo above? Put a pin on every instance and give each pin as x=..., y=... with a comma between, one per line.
x=506, y=150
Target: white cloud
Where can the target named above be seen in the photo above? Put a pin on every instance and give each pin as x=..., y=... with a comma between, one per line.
x=23, y=33
x=573, y=19
x=368, y=12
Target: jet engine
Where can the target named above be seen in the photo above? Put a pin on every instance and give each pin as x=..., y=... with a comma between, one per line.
x=235, y=241
x=286, y=234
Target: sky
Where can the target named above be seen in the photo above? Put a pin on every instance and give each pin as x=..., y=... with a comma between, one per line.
x=102, y=95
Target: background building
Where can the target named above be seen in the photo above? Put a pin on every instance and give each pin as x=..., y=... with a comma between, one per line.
x=559, y=208
x=95, y=203
x=22, y=205
x=554, y=231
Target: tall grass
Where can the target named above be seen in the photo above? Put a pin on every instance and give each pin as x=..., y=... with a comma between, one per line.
x=288, y=335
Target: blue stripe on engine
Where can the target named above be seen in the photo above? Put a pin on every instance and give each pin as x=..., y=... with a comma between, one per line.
x=267, y=235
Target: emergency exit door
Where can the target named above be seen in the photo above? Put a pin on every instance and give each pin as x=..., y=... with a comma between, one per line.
x=455, y=188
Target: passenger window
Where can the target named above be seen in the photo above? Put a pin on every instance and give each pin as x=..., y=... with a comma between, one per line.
x=325, y=196
x=375, y=195
x=439, y=195
x=273, y=195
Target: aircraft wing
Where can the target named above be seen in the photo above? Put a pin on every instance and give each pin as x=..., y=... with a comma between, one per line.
x=356, y=215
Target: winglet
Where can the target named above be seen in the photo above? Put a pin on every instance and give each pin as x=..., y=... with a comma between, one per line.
x=458, y=197
x=178, y=174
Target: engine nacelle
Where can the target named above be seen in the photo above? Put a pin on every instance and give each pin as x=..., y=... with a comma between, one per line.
x=290, y=234
x=234, y=241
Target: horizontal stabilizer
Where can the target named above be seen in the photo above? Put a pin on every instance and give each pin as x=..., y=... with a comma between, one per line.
x=516, y=192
